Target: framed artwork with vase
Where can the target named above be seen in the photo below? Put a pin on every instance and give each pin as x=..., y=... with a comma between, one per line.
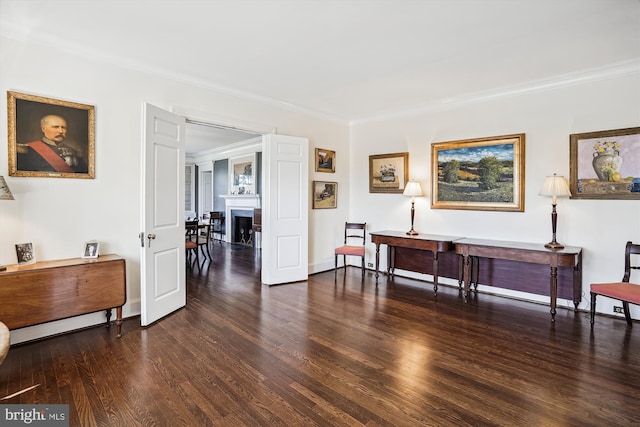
x=605, y=164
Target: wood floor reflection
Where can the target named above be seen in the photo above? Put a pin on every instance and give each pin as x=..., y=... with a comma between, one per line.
x=342, y=353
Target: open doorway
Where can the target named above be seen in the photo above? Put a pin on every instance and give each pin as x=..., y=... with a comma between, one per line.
x=208, y=152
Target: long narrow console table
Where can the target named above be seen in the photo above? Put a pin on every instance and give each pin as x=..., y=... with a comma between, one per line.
x=524, y=252
x=53, y=290
x=511, y=265
x=423, y=242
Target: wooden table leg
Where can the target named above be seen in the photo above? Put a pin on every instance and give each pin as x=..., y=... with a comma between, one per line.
x=377, y=262
x=554, y=291
x=467, y=277
x=118, y=322
x=577, y=283
x=435, y=273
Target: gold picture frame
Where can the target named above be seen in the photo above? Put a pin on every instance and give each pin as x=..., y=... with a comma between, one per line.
x=325, y=195
x=242, y=175
x=479, y=174
x=605, y=164
x=50, y=138
x=388, y=173
x=325, y=160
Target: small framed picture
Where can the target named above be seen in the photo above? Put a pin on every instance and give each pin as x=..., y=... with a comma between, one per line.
x=325, y=160
x=24, y=252
x=325, y=195
x=91, y=249
x=388, y=173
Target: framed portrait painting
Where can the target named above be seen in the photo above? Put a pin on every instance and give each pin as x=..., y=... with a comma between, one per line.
x=325, y=195
x=50, y=138
x=325, y=160
x=605, y=164
x=479, y=174
x=388, y=173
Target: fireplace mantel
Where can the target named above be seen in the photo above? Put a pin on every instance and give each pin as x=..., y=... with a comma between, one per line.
x=240, y=196
x=238, y=201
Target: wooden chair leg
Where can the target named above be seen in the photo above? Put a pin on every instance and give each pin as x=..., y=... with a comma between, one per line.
x=362, y=267
x=627, y=314
x=335, y=268
x=593, y=308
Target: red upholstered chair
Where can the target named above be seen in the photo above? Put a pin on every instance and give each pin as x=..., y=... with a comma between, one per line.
x=623, y=291
x=354, y=241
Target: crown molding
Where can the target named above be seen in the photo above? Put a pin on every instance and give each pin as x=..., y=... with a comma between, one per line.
x=609, y=71
x=605, y=72
x=25, y=35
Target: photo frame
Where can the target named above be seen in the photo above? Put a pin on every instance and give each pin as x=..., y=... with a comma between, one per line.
x=325, y=195
x=91, y=249
x=479, y=174
x=25, y=254
x=242, y=175
x=325, y=160
x=605, y=164
x=388, y=173
x=50, y=138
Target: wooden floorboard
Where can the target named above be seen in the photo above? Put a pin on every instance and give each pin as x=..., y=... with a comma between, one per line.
x=336, y=353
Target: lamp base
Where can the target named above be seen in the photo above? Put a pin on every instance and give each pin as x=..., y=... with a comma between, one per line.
x=554, y=245
x=412, y=232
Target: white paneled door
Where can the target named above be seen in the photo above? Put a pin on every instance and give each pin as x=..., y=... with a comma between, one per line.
x=162, y=269
x=285, y=209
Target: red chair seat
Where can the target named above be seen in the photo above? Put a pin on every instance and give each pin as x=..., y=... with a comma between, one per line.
x=350, y=250
x=353, y=232
x=624, y=291
x=620, y=290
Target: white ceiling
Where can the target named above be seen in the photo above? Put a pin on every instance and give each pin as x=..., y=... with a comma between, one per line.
x=201, y=137
x=348, y=60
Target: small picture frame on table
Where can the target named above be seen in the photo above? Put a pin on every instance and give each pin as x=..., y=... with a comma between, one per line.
x=24, y=253
x=91, y=249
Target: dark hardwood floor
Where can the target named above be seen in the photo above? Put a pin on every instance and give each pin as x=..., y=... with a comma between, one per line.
x=345, y=354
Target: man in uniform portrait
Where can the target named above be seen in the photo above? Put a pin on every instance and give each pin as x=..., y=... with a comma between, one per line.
x=50, y=154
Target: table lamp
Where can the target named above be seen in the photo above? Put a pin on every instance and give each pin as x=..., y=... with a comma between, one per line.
x=412, y=190
x=5, y=194
x=554, y=186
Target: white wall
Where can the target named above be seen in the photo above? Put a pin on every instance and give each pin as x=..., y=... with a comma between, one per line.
x=600, y=227
x=58, y=215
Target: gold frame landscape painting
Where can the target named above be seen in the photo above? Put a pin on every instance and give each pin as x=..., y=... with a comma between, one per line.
x=479, y=174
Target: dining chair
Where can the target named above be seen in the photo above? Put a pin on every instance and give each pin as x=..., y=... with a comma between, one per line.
x=353, y=232
x=624, y=291
x=191, y=242
x=216, y=224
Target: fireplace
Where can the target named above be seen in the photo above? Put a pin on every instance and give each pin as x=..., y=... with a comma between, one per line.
x=241, y=205
x=242, y=223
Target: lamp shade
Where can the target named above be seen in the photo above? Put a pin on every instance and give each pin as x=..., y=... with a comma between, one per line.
x=555, y=186
x=412, y=189
x=5, y=193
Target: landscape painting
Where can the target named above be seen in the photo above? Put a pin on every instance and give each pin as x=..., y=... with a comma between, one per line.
x=479, y=174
